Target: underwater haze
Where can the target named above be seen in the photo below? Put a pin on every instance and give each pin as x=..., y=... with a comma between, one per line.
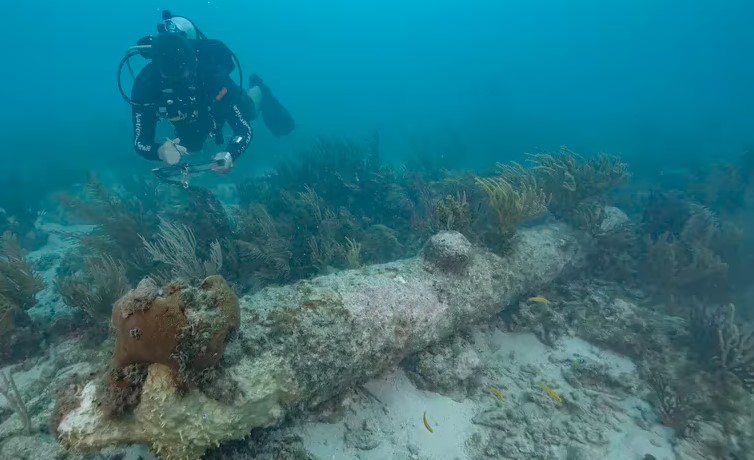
x=647, y=79
x=499, y=231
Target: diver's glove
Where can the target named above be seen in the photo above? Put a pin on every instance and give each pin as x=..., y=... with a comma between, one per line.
x=171, y=151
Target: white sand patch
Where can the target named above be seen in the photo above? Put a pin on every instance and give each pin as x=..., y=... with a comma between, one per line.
x=636, y=442
x=392, y=427
x=48, y=300
x=401, y=430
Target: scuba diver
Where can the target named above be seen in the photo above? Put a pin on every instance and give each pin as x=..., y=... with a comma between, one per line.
x=188, y=82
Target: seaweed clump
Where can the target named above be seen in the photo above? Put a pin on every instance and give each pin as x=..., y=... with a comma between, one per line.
x=94, y=288
x=175, y=247
x=674, y=403
x=339, y=205
x=513, y=197
x=688, y=264
x=571, y=179
x=119, y=220
x=452, y=213
x=724, y=346
x=336, y=205
x=19, y=285
x=260, y=246
x=617, y=253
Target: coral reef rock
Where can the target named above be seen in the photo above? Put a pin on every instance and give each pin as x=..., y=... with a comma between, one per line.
x=305, y=343
x=449, y=251
x=614, y=218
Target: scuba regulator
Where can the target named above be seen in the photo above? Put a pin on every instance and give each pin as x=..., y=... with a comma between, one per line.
x=214, y=51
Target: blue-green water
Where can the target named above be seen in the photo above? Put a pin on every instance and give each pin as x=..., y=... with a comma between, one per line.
x=647, y=79
x=634, y=264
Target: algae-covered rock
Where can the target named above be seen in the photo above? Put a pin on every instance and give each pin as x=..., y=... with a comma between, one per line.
x=176, y=425
x=453, y=369
x=449, y=251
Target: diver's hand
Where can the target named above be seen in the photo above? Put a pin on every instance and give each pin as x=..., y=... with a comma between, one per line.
x=227, y=162
x=171, y=151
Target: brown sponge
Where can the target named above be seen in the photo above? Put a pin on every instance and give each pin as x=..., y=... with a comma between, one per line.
x=180, y=325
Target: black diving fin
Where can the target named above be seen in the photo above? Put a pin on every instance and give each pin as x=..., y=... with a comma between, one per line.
x=276, y=117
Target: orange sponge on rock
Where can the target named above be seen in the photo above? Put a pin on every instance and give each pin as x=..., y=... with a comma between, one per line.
x=180, y=325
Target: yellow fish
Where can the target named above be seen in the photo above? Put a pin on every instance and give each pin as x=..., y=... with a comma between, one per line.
x=426, y=423
x=555, y=397
x=539, y=299
x=498, y=394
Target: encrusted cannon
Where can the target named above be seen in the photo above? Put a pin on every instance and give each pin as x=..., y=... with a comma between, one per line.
x=304, y=343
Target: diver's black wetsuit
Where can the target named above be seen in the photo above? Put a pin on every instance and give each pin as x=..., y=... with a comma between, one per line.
x=197, y=111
